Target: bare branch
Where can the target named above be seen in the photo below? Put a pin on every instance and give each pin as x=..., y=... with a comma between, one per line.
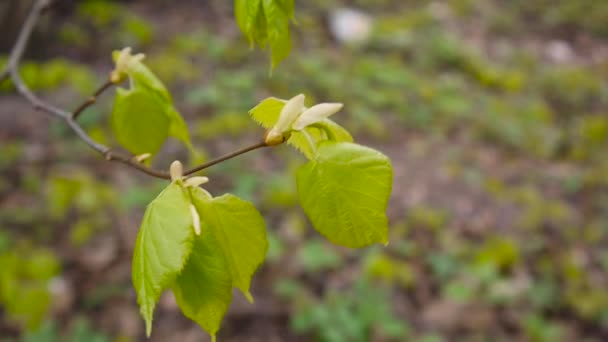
x=11, y=72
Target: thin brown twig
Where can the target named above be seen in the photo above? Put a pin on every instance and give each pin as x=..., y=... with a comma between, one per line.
x=11, y=72
x=225, y=157
x=91, y=100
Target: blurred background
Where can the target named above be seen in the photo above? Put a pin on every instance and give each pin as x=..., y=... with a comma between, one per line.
x=494, y=113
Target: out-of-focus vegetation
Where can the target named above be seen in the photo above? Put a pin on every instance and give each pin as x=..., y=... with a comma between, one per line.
x=494, y=113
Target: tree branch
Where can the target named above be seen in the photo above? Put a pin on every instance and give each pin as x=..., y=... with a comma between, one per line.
x=91, y=100
x=11, y=72
x=225, y=157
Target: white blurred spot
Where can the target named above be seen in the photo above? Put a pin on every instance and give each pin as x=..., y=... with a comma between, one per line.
x=350, y=26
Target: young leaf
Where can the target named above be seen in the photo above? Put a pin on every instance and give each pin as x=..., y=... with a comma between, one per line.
x=143, y=118
x=203, y=290
x=240, y=232
x=266, y=113
x=344, y=192
x=163, y=245
x=266, y=21
x=139, y=121
x=278, y=30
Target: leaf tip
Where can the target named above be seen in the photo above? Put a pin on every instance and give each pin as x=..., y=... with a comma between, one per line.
x=148, y=327
x=248, y=296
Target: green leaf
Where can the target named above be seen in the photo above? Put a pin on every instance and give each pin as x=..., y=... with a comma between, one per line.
x=319, y=132
x=146, y=119
x=278, y=30
x=240, y=231
x=139, y=121
x=288, y=7
x=266, y=21
x=163, y=245
x=143, y=77
x=344, y=192
x=204, y=288
x=267, y=112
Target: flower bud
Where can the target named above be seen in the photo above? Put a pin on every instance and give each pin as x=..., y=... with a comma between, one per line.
x=125, y=62
x=274, y=137
x=289, y=113
x=196, y=181
x=176, y=170
x=142, y=157
x=315, y=114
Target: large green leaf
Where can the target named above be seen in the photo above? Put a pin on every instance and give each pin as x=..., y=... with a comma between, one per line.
x=204, y=288
x=163, y=245
x=139, y=120
x=240, y=231
x=344, y=192
x=267, y=112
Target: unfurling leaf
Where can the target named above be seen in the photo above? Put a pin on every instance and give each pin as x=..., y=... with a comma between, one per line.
x=267, y=114
x=143, y=115
x=163, y=245
x=344, y=191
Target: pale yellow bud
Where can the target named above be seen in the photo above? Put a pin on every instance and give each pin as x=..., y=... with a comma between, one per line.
x=176, y=170
x=316, y=114
x=196, y=181
x=142, y=157
x=125, y=62
x=289, y=113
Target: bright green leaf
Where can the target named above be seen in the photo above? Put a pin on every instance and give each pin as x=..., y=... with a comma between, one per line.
x=266, y=21
x=143, y=77
x=139, y=121
x=278, y=30
x=267, y=112
x=344, y=192
x=203, y=290
x=240, y=231
x=145, y=120
x=163, y=245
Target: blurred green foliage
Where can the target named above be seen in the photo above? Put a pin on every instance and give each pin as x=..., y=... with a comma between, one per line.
x=25, y=280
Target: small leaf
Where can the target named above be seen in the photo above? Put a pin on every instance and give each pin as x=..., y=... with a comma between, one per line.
x=163, y=245
x=143, y=77
x=278, y=30
x=267, y=112
x=204, y=288
x=344, y=191
x=266, y=21
x=139, y=121
x=158, y=101
x=240, y=231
